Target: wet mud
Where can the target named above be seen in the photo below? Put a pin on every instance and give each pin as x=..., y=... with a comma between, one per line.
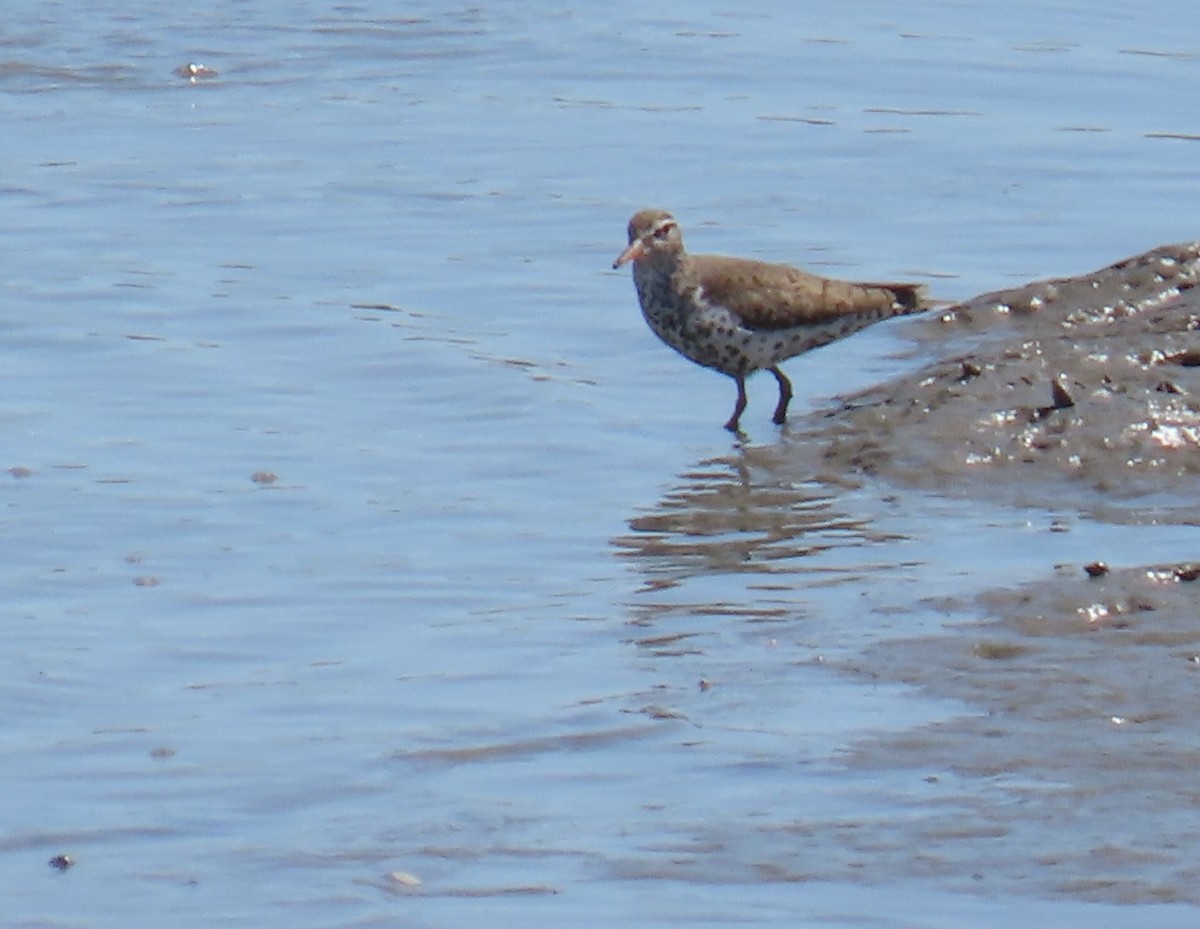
x=1080, y=391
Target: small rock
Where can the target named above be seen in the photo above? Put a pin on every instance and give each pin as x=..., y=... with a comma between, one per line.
x=194, y=71
x=1096, y=569
x=1059, y=395
x=969, y=370
x=62, y=862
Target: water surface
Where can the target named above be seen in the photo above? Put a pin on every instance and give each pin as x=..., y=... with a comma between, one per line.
x=357, y=531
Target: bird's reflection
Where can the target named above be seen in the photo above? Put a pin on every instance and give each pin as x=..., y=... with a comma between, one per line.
x=747, y=511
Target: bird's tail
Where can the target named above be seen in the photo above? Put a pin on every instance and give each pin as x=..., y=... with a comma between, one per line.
x=909, y=298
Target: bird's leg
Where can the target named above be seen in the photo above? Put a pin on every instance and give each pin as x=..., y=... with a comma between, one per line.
x=738, y=407
x=785, y=396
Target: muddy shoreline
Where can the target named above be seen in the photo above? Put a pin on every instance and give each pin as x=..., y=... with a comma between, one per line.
x=1043, y=395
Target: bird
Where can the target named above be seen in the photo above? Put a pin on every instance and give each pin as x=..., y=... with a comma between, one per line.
x=738, y=315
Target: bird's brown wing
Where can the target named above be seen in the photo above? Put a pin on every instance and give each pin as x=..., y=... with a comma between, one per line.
x=775, y=296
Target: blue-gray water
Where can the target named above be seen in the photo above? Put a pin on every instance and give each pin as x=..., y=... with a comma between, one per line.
x=357, y=532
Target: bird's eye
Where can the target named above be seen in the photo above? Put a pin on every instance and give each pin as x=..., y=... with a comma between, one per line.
x=662, y=231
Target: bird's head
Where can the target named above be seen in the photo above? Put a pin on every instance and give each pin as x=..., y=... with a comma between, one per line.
x=654, y=237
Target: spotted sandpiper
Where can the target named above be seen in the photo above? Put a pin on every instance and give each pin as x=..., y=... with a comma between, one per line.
x=736, y=315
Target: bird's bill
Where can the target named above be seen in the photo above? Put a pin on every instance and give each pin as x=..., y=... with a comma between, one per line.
x=633, y=253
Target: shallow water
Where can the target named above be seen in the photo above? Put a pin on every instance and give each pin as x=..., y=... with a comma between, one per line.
x=356, y=527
